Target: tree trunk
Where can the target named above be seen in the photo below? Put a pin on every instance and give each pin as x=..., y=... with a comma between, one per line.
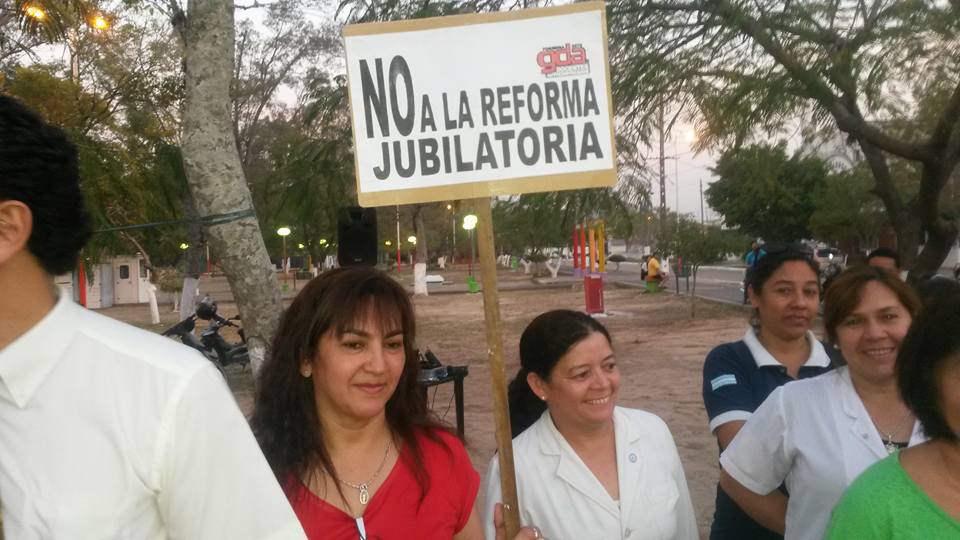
x=188, y=294
x=693, y=292
x=420, y=258
x=941, y=232
x=194, y=254
x=215, y=175
x=152, y=301
x=421, y=232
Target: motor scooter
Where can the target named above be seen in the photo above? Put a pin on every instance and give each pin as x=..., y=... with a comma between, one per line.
x=211, y=343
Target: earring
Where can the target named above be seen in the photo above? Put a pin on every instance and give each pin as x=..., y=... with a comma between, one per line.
x=306, y=372
x=543, y=398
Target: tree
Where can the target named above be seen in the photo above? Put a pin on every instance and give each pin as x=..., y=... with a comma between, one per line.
x=765, y=193
x=263, y=63
x=698, y=245
x=846, y=210
x=885, y=74
x=215, y=173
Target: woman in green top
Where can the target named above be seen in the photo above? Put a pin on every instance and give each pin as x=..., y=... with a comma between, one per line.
x=915, y=493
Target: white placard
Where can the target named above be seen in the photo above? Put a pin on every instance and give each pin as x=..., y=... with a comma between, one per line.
x=474, y=105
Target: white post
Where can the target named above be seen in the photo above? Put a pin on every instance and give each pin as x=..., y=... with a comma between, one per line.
x=152, y=298
x=420, y=279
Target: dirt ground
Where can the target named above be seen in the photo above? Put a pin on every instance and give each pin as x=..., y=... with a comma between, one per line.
x=659, y=349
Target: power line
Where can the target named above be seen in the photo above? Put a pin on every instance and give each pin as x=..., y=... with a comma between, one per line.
x=215, y=219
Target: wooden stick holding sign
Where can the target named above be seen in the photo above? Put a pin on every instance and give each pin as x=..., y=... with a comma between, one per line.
x=498, y=378
x=437, y=118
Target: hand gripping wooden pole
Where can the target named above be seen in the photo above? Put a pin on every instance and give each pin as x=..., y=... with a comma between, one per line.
x=498, y=379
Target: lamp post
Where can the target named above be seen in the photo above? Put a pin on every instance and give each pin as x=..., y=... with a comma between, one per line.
x=469, y=224
x=398, y=238
x=284, y=232
x=453, y=234
x=413, y=241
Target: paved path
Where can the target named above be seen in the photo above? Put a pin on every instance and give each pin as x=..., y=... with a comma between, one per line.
x=722, y=283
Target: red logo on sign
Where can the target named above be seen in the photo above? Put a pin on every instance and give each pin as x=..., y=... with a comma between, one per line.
x=563, y=61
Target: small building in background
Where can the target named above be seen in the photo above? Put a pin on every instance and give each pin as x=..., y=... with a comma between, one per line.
x=120, y=280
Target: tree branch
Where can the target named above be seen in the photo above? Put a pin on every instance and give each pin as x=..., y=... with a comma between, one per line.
x=256, y=4
x=884, y=186
x=848, y=121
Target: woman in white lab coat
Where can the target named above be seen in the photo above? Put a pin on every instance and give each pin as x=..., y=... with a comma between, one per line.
x=819, y=434
x=587, y=469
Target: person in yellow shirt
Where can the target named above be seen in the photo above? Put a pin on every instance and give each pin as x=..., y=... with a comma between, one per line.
x=654, y=274
x=653, y=268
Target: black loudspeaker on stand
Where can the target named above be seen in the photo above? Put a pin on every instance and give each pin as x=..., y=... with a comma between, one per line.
x=357, y=236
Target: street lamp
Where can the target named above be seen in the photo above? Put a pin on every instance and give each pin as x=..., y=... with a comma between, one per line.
x=284, y=232
x=184, y=246
x=469, y=224
x=98, y=22
x=412, y=239
x=35, y=12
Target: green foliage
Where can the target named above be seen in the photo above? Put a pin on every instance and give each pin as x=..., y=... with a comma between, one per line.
x=699, y=245
x=129, y=175
x=882, y=76
x=846, y=210
x=766, y=193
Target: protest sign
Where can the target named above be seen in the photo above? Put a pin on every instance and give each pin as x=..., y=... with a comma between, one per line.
x=479, y=105
x=472, y=106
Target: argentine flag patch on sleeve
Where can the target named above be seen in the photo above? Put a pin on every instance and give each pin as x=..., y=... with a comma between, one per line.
x=723, y=380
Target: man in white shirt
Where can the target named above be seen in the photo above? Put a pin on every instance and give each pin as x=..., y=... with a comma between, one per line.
x=106, y=431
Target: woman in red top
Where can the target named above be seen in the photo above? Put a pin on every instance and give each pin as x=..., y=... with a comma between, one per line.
x=342, y=420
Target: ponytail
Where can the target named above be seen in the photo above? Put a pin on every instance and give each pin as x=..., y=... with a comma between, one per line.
x=525, y=407
x=543, y=343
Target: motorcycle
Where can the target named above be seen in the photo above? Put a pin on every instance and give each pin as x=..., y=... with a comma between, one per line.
x=828, y=273
x=210, y=343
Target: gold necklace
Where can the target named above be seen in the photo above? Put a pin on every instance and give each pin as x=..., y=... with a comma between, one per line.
x=364, y=487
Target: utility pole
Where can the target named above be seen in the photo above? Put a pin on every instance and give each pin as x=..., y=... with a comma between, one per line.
x=702, y=220
x=663, y=173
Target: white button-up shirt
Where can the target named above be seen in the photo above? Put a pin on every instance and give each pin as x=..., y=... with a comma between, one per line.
x=558, y=493
x=816, y=435
x=110, y=432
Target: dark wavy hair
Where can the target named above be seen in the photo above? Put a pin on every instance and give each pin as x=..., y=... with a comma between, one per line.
x=38, y=167
x=774, y=259
x=934, y=286
x=285, y=420
x=543, y=343
x=845, y=293
x=885, y=253
x=932, y=340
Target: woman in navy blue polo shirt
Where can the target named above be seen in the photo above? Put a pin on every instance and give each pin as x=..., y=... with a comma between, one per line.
x=779, y=347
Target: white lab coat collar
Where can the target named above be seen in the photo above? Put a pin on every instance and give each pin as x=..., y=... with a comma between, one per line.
x=25, y=363
x=818, y=355
x=572, y=469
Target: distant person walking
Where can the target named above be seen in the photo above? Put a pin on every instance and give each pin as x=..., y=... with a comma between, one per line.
x=751, y=257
